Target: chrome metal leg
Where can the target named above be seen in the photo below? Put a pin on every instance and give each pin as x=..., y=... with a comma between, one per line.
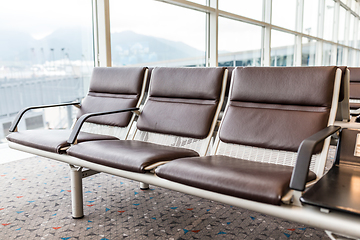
x=76, y=192
x=144, y=186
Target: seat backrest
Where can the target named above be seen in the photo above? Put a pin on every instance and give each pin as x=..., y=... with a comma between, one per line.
x=354, y=87
x=182, y=107
x=343, y=110
x=113, y=88
x=271, y=110
x=354, y=83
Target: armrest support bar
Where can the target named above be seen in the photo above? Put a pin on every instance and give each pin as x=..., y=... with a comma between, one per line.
x=305, y=151
x=23, y=111
x=83, y=118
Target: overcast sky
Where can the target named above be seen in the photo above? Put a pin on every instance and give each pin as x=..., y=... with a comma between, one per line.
x=148, y=17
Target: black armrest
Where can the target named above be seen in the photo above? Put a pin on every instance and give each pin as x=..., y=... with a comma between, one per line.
x=305, y=151
x=83, y=118
x=23, y=111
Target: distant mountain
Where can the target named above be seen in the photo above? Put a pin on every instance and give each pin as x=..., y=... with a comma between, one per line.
x=15, y=46
x=127, y=47
x=132, y=48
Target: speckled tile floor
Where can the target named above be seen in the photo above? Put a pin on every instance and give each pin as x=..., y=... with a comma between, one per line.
x=35, y=203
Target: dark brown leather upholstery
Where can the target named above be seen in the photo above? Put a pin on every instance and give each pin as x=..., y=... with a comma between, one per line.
x=51, y=140
x=277, y=108
x=354, y=86
x=261, y=182
x=354, y=106
x=182, y=101
x=112, y=89
x=127, y=155
x=273, y=108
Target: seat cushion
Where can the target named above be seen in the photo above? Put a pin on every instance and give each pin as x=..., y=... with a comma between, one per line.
x=52, y=140
x=261, y=182
x=128, y=155
x=354, y=105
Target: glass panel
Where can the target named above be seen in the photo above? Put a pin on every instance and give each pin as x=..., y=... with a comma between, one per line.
x=308, y=52
x=351, y=31
x=329, y=19
x=353, y=5
x=357, y=59
x=310, y=17
x=170, y=36
x=234, y=48
x=46, y=56
x=282, y=48
x=326, y=57
x=350, y=58
x=341, y=35
x=339, y=58
x=357, y=45
x=246, y=8
x=284, y=13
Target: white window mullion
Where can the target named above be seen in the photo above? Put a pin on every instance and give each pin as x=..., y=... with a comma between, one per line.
x=346, y=37
x=266, y=38
x=298, y=28
x=212, y=35
x=320, y=33
x=335, y=35
x=101, y=28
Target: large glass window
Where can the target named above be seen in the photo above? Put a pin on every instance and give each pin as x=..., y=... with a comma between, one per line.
x=351, y=31
x=284, y=13
x=239, y=43
x=357, y=59
x=351, y=54
x=152, y=33
x=326, y=54
x=46, y=56
x=339, y=57
x=329, y=19
x=308, y=52
x=251, y=9
x=357, y=42
x=282, y=48
x=311, y=11
x=342, y=20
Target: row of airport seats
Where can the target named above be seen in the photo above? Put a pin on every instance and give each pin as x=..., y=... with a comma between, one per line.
x=271, y=145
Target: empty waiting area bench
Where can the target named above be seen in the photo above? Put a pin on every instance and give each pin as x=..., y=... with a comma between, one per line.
x=272, y=143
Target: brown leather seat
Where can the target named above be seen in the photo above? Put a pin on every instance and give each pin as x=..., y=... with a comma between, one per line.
x=354, y=86
x=261, y=182
x=110, y=89
x=52, y=140
x=182, y=102
x=127, y=155
x=270, y=109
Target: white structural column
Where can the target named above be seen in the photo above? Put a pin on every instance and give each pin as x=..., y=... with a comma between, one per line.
x=102, y=37
x=320, y=33
x=298, y=28
x=346, y=38
x=266, y=38
x=335, y=35
x=355, y=61
x=212, y=35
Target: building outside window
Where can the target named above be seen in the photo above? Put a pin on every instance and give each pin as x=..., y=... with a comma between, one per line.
x=46, y=56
